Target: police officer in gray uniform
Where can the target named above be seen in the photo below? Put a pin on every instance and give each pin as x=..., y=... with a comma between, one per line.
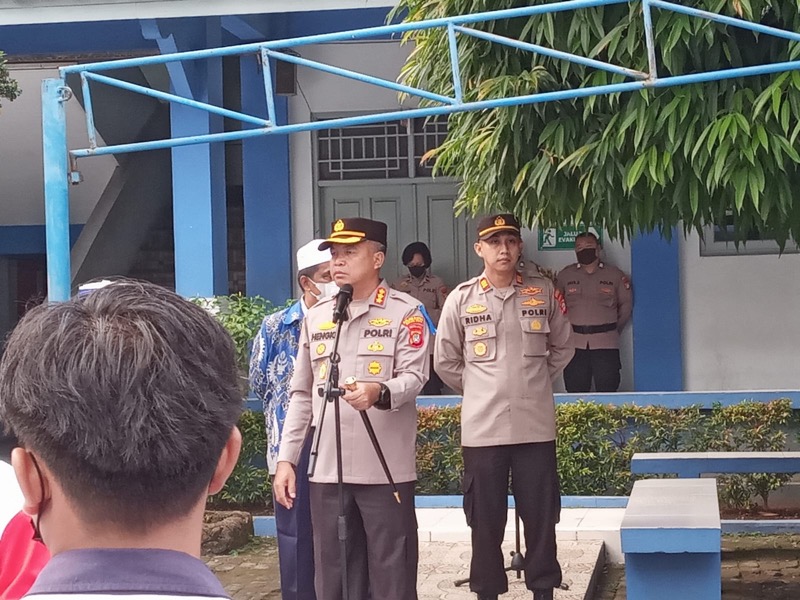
x=503, y=336
x=600, y=301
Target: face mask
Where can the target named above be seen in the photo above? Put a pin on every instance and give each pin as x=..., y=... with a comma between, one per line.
x=326, y=289
x=586, y=256
x=417, y=272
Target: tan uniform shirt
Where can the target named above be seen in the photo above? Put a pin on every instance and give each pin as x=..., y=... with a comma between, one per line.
x=598, y=298
x=431, y=292
x=385, y=340
x=502, y=352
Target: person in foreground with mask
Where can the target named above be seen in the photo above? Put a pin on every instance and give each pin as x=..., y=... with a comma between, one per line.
x=271, y=368
x=124, y=403
x=599, y=300
x=431, y=292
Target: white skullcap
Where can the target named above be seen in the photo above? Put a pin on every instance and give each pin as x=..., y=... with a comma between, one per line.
x=309, y=255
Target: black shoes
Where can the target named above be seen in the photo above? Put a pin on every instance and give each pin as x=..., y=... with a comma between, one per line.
x=487, y=597
x=543, y=594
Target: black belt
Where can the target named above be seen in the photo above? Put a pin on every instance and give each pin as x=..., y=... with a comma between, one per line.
x=594, y=328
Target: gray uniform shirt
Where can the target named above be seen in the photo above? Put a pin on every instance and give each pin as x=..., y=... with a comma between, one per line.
x=597, y=298
x=385, y=340
x=501, y=349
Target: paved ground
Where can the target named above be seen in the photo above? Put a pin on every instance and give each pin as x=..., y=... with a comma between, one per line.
x=753, y=568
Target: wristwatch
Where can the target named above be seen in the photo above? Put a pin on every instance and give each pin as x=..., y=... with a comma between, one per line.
x=384, y=398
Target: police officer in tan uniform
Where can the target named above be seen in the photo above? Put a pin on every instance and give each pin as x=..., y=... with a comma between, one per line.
x=384, y=348
x=431, y=292
x=502, y=338
x=600, y=300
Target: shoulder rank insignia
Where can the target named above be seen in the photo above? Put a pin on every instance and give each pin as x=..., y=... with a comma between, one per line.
x=530, y=291
x=327, y=325
x=484, y=283
x=380, y=296
x=474, y=309
x=533, y=302
x=381, y=322
x=518, y=278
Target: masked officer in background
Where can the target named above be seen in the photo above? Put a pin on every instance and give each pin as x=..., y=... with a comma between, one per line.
x=600, y=301
x=503, y=336
x=384, y=349
x=431, y=292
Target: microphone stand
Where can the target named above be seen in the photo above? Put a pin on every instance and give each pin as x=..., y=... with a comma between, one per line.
x=331, y=393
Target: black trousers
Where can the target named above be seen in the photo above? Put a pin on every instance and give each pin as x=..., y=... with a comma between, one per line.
x=602, y=365
x=534, y=482
x=382, y=546
x=434, y=385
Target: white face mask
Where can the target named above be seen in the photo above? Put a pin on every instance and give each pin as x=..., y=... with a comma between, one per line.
x=326, y=289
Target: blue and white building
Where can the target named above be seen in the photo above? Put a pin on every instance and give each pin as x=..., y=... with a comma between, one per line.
x=229, y=217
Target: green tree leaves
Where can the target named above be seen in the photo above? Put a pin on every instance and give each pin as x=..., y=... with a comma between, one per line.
x=648, y=160
x=8, y=87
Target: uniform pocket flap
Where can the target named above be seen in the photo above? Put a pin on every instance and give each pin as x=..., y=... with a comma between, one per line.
x=535, y=325
x=370, y=346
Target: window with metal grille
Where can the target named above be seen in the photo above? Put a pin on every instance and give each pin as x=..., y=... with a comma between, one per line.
x=379, y=151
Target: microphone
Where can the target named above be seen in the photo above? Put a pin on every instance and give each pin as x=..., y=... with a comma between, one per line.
x=343, y=298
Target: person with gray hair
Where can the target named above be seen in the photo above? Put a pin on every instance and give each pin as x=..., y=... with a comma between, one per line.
x=125, y=403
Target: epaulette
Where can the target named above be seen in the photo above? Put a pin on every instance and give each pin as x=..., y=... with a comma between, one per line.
x=403, y=296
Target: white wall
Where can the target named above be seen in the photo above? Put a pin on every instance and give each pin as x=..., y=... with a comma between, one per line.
x=322, y=94
x=22, y=192
x=740, y=320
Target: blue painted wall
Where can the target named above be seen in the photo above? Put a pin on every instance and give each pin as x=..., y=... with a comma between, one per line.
x=657, y=350
x=18, y=240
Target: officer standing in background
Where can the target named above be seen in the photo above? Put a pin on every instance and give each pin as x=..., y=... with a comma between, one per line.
x=431, y=292
x=271, y=366
x=503, y=336
x=600, y=301
x=384, y=347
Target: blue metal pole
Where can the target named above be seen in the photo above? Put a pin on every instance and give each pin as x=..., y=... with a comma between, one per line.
x=87, y=106
x=581, y=60
x=391, y=85
x=447, y=110
x=454, y=67
x=56, y=187
x=269, y=90
x=734, y=22
x=649, y=41
x=125, y=85
x=339, y=36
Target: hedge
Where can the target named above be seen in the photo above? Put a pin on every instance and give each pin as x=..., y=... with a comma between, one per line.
x=594, y=447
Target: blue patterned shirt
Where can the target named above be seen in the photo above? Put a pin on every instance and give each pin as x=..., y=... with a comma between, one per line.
x=271, y=367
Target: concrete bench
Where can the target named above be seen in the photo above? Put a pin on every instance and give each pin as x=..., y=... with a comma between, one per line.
x=693, y=464
x=671, y=540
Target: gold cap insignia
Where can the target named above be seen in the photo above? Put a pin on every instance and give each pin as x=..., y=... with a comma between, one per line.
x=474, y=309
x=375, y=347
x=375, y=368
x=479, y=331
x=480, y=349
x=380, y=322
x=320, y=349
x=327, y=325
x=536, y=325
x=339, y=225
x=499, y=222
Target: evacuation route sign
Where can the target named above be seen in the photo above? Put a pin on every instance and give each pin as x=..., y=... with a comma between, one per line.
x=562, y=238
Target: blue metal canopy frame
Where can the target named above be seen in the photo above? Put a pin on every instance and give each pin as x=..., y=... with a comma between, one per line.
x=55, y=93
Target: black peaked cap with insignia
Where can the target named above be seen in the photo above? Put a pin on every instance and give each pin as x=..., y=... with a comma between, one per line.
x=354, y=230
x=492, y=224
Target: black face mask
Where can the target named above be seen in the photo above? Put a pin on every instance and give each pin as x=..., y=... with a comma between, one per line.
x=586, y=256
x=417, y=272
